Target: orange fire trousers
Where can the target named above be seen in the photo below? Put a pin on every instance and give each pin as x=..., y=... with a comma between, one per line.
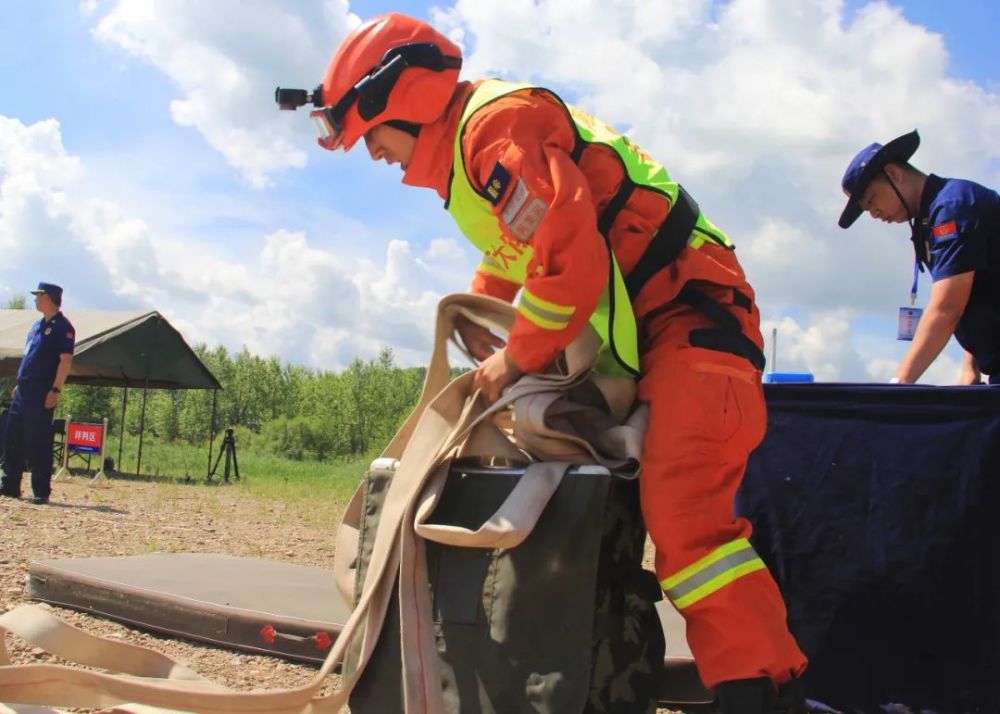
x=706, y=416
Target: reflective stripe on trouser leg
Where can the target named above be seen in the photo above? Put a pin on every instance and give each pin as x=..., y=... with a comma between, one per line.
x=713, y=572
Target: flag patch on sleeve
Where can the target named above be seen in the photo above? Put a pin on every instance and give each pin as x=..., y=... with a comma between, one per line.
x=945, y=230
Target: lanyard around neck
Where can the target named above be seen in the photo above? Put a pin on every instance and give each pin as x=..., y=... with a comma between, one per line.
x=915, y=237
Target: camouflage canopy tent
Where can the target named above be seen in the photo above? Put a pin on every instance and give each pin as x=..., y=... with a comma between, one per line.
x=118, y=349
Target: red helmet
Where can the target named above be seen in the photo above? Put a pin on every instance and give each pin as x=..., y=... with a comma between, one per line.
x=391, y=68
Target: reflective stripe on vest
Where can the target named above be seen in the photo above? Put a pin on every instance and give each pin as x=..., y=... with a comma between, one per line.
x=508, y=258
x=712, y=573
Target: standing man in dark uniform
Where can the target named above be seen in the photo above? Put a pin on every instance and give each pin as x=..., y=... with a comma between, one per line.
x=955, y=229
x=48, y=353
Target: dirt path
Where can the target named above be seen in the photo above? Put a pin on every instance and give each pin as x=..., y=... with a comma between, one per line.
x=137, y=517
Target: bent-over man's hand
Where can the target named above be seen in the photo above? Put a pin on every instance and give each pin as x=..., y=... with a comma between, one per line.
x=479, y=341
x=496, y=373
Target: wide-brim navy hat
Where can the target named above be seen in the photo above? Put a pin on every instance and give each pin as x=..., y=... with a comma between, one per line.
x=863, y=168
x=50, y=289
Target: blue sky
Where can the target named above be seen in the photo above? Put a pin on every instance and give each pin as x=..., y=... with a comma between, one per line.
x=969, y=29
x=143, y=165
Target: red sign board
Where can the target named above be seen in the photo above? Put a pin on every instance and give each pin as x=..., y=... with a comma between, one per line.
x=85, y=438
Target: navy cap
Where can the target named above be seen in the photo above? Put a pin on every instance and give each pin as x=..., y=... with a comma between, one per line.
x=50, y=289
x=869, y=161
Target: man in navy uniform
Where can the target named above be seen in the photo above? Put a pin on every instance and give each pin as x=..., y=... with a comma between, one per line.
x=955, y=229
x=48, y=353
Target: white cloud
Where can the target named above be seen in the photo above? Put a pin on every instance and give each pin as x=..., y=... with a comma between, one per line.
x=824, y=347
x=37, y=238
x=944, y=370
x=226, y=57
x=282, y=295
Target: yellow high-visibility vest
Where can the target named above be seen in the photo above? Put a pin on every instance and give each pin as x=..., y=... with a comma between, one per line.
x=613, y=319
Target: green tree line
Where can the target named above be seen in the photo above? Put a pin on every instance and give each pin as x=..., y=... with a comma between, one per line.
x=273, y=407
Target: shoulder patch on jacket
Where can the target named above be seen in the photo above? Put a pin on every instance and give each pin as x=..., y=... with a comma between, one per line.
x=523, y=212
x=496, y=184
x=945, y=230
x=524, y=224
x=516, y=201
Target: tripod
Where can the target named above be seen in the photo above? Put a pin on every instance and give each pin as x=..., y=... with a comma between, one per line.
x=227, y=447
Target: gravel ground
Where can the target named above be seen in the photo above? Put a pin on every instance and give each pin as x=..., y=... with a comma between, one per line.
x=134, y=517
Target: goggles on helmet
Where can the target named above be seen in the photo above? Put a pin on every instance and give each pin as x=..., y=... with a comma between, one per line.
x=371, y=93
x=329, y=129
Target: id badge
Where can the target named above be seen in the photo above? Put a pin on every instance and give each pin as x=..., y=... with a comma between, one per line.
x=909, y=317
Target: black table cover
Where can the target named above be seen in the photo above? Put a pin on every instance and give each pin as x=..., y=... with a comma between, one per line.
x=877, y=508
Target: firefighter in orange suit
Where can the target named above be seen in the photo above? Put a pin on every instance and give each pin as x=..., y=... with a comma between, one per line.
x=580, y=225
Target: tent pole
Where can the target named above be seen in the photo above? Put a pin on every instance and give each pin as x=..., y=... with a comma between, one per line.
x=121, y=428
x=142, y=426
x=211, y=431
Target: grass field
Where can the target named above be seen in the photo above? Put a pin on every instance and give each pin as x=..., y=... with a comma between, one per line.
x=261, y=474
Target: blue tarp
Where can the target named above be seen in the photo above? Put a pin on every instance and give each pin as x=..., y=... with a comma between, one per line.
x=877, y=508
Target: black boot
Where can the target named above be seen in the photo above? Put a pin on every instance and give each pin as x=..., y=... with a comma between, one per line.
x=792, y=698
x=759, y=696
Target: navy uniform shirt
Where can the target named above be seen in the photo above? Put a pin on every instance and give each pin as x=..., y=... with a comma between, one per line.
x=960, y=225
x=46, y=340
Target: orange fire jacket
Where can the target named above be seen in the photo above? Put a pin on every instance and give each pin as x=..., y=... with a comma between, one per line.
x=529, y=134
